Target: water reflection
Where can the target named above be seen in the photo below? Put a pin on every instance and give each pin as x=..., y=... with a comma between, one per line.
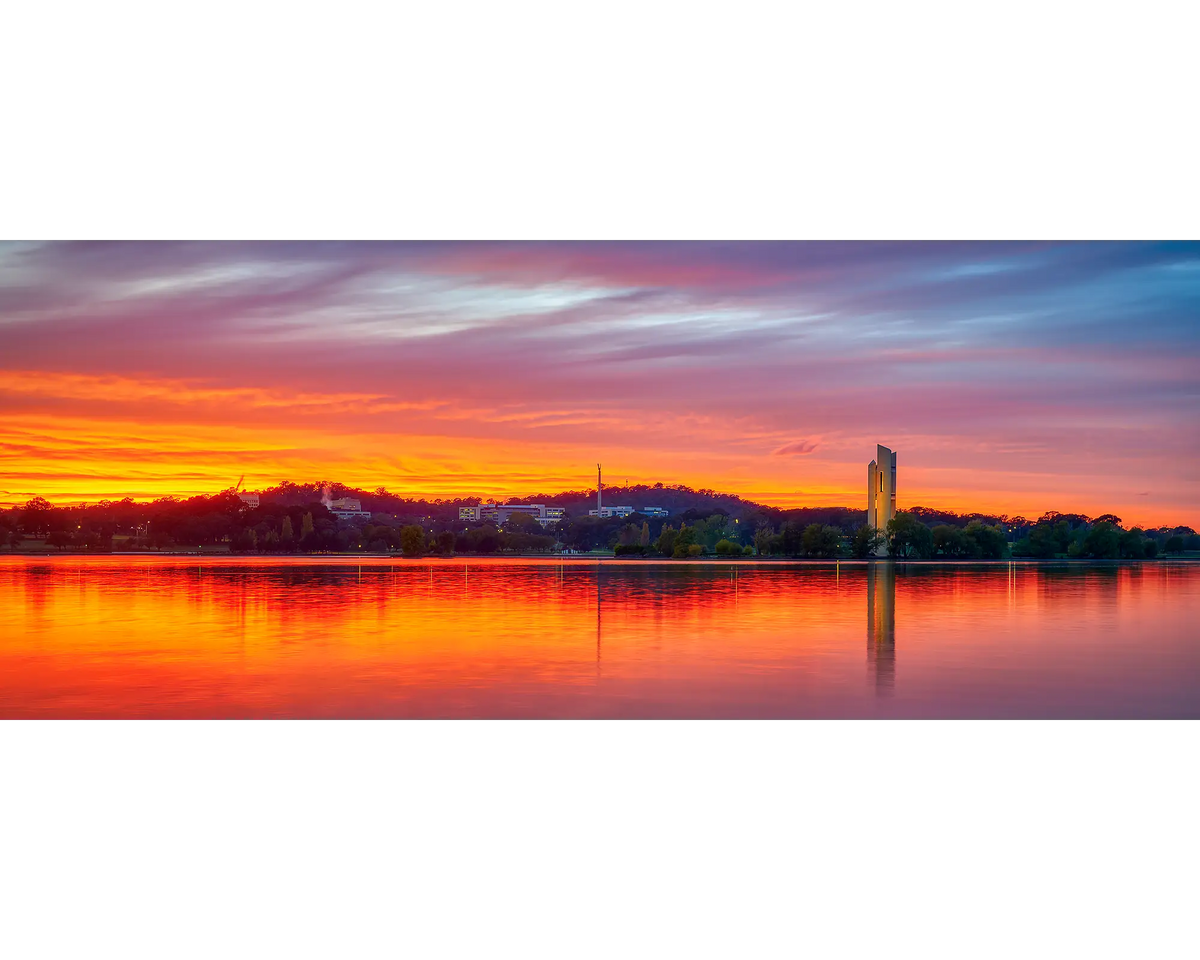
x=110, y=637
x=881, y=625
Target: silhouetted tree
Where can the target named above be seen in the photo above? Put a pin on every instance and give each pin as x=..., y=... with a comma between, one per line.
x=412, y=540
x=822, y=541
x=59, y=539
x=685, y=541
x=1047, y=540
x=35, y=519
x=866, y=541
x=1132, y=544
x=245, y=541
x=909, y=537
x=951, y=541
x=990, y=539
x=1103, y=541
x=522, y=523
x=791, y=539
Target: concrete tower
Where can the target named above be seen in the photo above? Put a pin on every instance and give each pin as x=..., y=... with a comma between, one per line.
x=881, y=490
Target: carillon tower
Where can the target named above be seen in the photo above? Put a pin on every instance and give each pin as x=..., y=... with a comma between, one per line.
x=881, y=491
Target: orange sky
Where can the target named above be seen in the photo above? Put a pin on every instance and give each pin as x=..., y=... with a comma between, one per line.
x=770, y=371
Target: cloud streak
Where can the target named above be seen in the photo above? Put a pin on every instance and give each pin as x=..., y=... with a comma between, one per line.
x=799, y=448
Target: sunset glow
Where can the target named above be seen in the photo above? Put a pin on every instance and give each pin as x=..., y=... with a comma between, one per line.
x=1012, y=378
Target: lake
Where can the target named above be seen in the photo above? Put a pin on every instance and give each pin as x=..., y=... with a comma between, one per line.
x=215, y=638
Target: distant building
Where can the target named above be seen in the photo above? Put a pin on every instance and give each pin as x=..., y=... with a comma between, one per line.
x=604, y=512
x=347, y=508
x=249, y=499
x=500, y=512
x=881, y=491
x=611, y=512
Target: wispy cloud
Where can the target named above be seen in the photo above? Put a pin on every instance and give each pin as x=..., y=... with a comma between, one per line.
x=798, y=448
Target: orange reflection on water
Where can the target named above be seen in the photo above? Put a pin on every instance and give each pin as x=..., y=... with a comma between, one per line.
x=174, y=637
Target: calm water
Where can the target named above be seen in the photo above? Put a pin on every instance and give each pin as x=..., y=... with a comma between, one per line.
x=168, y=637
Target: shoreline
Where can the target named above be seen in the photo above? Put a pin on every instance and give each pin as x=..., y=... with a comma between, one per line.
x=592, y=557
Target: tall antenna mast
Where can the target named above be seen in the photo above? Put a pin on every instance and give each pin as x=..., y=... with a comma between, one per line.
x=599, y=487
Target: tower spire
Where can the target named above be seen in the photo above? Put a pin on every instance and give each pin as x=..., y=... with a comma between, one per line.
x=599, y=487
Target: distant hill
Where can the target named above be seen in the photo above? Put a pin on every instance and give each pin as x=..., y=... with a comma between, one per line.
x=674, y=497
x=684, y=503
x=677, y=498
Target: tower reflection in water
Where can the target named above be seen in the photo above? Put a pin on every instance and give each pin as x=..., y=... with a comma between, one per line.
x=881, y=625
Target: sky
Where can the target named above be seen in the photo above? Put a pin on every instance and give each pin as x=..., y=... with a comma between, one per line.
x=1011, y=378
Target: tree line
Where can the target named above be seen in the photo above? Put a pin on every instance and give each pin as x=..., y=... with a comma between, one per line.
x=1075, y=536
x=224, y=521
x=292, y=519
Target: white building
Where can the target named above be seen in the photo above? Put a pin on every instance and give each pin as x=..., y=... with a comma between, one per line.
x=881, y=491
x=500, y=512
x=611, y=512
x=347, y=508
x=249, y=499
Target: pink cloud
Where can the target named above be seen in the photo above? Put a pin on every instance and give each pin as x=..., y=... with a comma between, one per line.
x=799, y=448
